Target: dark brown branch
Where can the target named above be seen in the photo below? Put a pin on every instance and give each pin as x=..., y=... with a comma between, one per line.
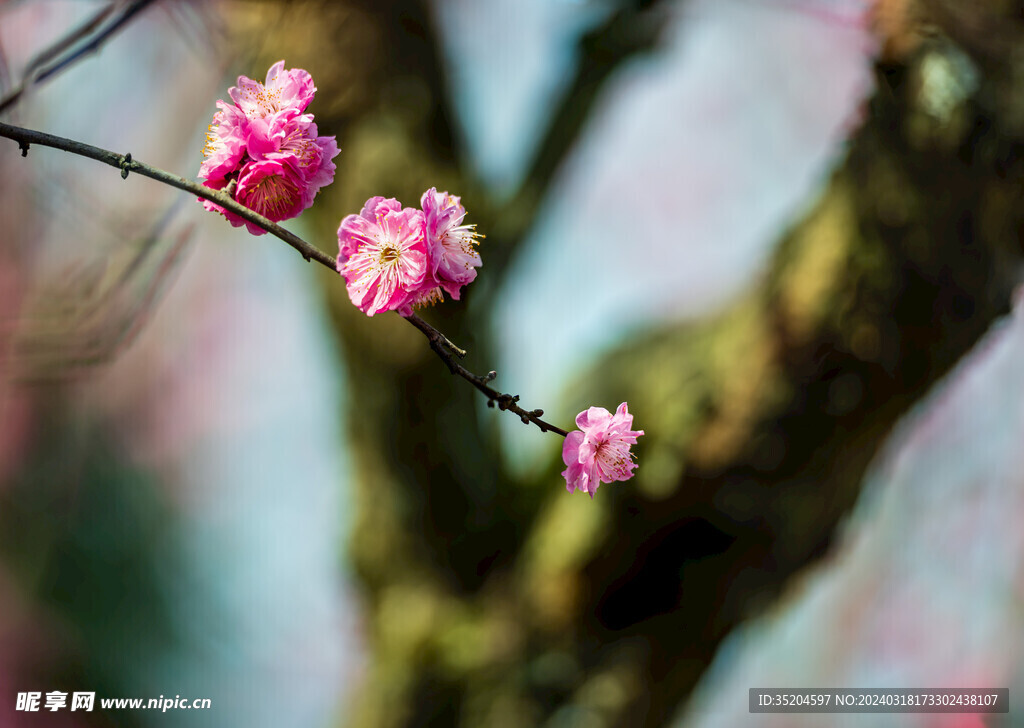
x=125, y=163
x=444, y=348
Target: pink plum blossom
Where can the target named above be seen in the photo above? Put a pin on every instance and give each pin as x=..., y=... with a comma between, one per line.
x=599, y=452
x=317, y=165
x=383, y=256
x=269, y=147
x=266, y=135
x=284, y=90
x=454, y=258
x=372, y=212
x=273, y=188
x=296, y=139
x=225, y=143
x=445, y=246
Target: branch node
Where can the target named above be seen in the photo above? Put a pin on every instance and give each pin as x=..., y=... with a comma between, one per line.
x=538, y=413
x=461, y=353
x=230, y=192
x=125, y=165
x=24, y=148
x=490, y=403
x=490, y=376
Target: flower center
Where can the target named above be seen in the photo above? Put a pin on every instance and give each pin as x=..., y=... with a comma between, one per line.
x=613, y=456
x=272, y=195
x=264, y=102
x=389, y=255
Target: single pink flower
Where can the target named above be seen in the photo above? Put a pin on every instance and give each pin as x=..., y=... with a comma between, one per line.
x=383, y=257
x=599, y=452
x=454, y=258
x=225, y=142
x=283, y=90
x=273, y=188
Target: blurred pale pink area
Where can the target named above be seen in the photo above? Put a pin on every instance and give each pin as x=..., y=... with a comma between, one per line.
x=202, y=357
x=20, y=34
x=924, y=588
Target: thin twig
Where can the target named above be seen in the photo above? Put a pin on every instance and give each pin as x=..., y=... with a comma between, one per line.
x=32, y=71
x=444, y=348
x=125, y=163
x=37, y=72
x=62, y=44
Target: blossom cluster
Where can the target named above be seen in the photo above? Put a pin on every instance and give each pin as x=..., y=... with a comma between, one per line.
x=395, y=258
x=266, y=151
x=599, y=452
x=268, y=147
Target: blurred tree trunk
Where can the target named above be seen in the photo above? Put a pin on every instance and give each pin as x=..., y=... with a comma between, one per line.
x=499, y=603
